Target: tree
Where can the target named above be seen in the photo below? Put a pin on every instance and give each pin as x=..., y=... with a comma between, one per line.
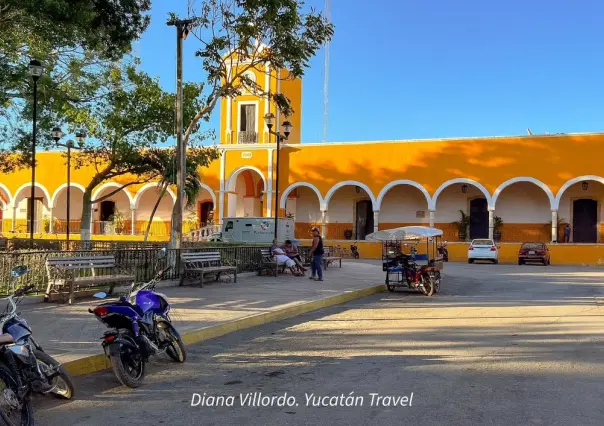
x=129, y=117
x=197, y=158
x=76, y=41
x=239, y=35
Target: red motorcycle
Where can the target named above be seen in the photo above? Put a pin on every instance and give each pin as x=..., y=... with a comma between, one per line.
x=425, y=278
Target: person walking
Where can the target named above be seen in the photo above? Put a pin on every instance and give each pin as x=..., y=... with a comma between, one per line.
x=316, y=251
x=567, y=233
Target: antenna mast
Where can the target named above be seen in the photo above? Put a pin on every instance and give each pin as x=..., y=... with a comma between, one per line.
x=326, y=83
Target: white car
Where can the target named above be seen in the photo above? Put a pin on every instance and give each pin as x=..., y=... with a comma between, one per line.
x=483, y=249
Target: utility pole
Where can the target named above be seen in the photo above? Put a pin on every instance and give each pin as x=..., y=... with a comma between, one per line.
x=183, y=27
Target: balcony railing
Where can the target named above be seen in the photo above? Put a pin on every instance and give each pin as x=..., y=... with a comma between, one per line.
x=247, y=137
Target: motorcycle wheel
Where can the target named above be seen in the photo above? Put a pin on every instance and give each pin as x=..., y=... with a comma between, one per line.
x=437, y=282
x=12, y=411
x=391, y=288
x=64, y=388
x=427, y=285
x=176, y=350
x=129, y=368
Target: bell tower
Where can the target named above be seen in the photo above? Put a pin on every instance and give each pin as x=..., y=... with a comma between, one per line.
x=242, y=117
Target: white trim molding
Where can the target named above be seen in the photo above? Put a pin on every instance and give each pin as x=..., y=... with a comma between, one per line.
x=571, y=182
x=8, y=194
x=293, y=186
x=349, y=183
x=53, y=202
x=98, y=190
x=448, y=183
x=28, y=185
x=147, y=186
x=232, y=180
x=537, y=182
x=392, y=184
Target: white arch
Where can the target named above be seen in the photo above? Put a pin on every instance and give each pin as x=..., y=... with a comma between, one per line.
x=145, y=187
x=55, y=195
x=392, y=184
x=512, y=181
x=298, y=185
x=28, y=185
x=211, y=191
x=570, y=183
x=232, y=180
x=98, y=190
x=8, y=194
x=461, y=180
x=349, y=183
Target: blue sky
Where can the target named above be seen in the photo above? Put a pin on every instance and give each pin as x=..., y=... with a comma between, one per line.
x=436, y=68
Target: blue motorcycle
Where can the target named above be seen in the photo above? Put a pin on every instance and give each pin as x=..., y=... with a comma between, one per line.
x=141, y=327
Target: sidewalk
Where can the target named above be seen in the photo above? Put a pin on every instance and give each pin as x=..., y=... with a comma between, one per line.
x=72, y=335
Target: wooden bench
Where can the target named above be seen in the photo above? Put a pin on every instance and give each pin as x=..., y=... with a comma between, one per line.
x=199, y=263
x=269, y=263
x=67, y=271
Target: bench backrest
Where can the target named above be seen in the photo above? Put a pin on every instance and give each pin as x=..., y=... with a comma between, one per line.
x=207, y=257
x=266, y=253
x=82, y=262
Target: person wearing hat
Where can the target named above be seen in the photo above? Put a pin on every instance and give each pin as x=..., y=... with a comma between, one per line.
x=316, y=251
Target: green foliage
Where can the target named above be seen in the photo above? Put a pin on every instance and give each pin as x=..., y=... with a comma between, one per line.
x=239, y=35
x=463, y=222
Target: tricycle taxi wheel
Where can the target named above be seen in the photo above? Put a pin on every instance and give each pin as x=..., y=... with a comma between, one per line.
x=391, y=288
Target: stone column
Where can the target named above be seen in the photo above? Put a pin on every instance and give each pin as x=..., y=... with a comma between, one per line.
x=14, y=225
x=491, y=223
x=132, y=221
x=554, y=226
x=270, y=185
x=51, y=225
x=323, y=223
x=222, y=186
x=376, y=220
x=432, y=218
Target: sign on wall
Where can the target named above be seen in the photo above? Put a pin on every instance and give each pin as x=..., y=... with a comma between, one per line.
x=420, y=214
x=246, y=154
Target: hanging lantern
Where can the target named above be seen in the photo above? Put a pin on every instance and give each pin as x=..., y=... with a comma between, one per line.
x=464, y=188
x=584, y=185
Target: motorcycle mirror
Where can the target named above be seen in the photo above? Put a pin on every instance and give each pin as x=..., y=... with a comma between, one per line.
x=19, y=271
x=100, y=295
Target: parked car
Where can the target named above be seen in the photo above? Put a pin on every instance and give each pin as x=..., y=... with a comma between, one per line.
x=483, y=249
x=534, y=252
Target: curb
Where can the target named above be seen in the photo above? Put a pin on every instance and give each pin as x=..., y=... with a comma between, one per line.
x=95, y=363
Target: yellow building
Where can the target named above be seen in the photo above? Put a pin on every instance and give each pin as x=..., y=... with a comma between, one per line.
x=349, y=189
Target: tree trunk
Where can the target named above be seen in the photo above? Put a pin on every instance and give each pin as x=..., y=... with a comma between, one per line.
x=161, y=195
x=174, y=226
x=86, y=215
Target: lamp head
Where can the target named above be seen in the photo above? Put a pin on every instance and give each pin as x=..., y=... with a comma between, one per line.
x=56, y=133
x=287, y=128
x=269, y=118
x=81, y=138
x=35, y=69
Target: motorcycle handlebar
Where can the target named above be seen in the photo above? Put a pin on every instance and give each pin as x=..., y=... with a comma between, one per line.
x=23, y=290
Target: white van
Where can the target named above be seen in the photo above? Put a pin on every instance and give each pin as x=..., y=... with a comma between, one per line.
x=255, y=229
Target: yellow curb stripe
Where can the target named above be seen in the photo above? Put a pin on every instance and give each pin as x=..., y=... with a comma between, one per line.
x=92, y=364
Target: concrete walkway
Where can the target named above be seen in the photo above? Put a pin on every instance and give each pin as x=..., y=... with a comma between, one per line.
x=71, y=334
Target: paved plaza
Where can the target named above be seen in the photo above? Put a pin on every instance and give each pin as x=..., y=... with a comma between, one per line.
x=500, y=345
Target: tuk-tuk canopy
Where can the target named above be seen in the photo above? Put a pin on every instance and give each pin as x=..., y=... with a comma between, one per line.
x=405, y=233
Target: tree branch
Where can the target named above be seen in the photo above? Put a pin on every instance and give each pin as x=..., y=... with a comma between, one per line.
x=104, y=197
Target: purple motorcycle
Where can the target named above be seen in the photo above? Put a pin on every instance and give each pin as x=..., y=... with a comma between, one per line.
x=141, y=327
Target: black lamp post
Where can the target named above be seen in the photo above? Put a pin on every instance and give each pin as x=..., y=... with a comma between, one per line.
x=35, y=70
x=287, y=128
x=57, y=134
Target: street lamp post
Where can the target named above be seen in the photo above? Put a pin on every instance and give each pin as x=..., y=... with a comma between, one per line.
x=57, y=134
x=287, y=128
x=35, y=70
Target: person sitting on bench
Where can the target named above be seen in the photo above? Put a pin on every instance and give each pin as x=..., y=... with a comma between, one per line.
x=281, y=257
x=292, y=252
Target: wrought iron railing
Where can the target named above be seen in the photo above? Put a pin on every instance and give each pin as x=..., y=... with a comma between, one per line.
x=247, y=137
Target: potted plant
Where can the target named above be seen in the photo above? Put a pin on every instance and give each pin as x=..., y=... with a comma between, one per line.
x=46, y=224
x=462, y=226
x=119, y=222
x=497, y=222
x=348, y=234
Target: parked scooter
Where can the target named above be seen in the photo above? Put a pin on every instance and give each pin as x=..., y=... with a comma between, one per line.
x=354, y=250
x=141, y=327
x=25, y=367
x=444, y=252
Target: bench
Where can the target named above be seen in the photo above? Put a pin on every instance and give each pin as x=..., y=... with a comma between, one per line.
x=269, y=263
x=66, y=271
x=328, y=256
x=200, y=263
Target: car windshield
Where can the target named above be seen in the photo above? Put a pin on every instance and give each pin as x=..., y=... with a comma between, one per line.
x=532, y=246
x=482, y=243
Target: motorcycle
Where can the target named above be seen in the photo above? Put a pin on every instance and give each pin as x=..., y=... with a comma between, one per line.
x=141, y=327
x=443, y=252
x=354, y=250
x=25, y=368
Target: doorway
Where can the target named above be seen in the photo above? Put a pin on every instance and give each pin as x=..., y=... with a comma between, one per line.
x=107, y=210
x=364, y=222
x=585, y=221
x=205, y=208
x=479, y=218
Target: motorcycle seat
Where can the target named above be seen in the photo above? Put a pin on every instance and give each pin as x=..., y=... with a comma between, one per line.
x=6, y=339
